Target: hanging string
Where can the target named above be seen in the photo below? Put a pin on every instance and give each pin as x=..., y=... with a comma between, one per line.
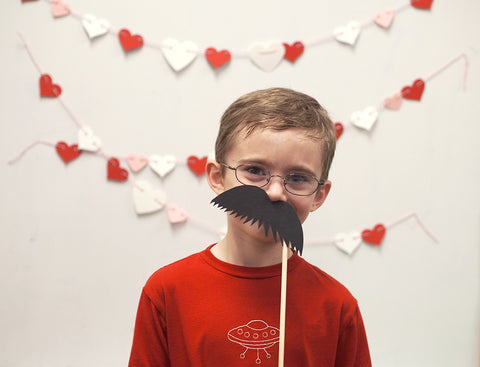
x=358, y=235
x=455, y=59
x=422, y=225
x=20, y=155
x=22, y=38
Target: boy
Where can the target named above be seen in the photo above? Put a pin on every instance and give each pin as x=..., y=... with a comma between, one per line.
x=220, y=307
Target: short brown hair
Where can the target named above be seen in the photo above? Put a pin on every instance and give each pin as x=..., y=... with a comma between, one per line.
x=278, y=109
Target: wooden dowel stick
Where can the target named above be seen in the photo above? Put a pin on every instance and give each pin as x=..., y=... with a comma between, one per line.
x=283, y=306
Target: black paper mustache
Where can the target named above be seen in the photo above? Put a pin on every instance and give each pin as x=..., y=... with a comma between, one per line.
x=253, y=204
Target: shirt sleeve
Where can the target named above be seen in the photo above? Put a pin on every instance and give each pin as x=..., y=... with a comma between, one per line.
x=352, y=348
x=149, y=348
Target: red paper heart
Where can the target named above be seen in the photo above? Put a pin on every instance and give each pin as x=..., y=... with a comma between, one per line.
x=115, y=172
x=294, y=51
x=415, y=91
x=129, y=41
x=338, y=129
x=67, y=153
x=421, y=4
x=374, y=236
x=197, y=165
x=217, y=58
x=47, y=88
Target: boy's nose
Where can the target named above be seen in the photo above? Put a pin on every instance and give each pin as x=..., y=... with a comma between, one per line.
x=275, y=189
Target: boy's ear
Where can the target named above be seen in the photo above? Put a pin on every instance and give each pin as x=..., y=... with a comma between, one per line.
x=213, y=171
x=321, y=196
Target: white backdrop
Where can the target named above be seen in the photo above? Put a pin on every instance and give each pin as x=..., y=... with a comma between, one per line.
x=74, y=254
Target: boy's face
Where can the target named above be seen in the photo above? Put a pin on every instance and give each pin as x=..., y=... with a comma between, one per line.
x=281, y=152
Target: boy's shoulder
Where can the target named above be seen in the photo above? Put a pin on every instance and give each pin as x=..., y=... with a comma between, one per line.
x=323, y=282
x=176, y=268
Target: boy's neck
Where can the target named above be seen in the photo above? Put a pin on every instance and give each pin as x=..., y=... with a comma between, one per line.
x=247, y=252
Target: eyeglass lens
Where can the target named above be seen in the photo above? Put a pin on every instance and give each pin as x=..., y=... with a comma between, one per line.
x=295, y=183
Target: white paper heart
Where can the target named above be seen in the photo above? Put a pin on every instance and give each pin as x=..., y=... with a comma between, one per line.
x=384, y=18
x=95, y=27
x=176, y=214
x=266, y=55
x=179, y=54
x=147, y=200
x=348, y=243
x=87, y=140
x=347, y=34
x=365, y=119
x=162, y=165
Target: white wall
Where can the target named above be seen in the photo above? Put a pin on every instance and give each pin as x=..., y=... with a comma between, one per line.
x=74, y=255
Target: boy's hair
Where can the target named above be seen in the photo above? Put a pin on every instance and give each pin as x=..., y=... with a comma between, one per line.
x=277, y=109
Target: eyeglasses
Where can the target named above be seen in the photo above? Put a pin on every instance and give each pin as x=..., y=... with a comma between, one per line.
x=301, y=184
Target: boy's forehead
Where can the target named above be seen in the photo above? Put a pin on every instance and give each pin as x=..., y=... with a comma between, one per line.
x=247, y=132
x=266, y=144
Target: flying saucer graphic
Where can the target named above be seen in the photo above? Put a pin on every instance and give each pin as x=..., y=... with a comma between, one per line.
x=257, y=335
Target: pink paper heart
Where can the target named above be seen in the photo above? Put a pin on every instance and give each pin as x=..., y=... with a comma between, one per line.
x=60, y=9
x=384, y=18
x=393, y=102
x=136, y=162
x=176, y=214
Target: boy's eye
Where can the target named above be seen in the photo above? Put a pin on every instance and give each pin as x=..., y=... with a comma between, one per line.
x=252, y=175
x=256, y=171
x=298, y=179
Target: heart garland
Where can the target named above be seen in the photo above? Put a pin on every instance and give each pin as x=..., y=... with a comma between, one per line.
x=136, y=162
x=66, y=152
x=95, y=27
x=266, y=55
x=421, y=4
x=393, y=102
x=115, y=172
x=384, y=18
x=87, y=140
x=59, y=8
x=415, y=91
x=374, y=236
x=197, y=165
x=217, y=58
x=147, y=200
x=338, y=129
x=162, y=165
x=293, y=52
x=365, y=119
x=179, y=54
x=347, y=34
x=348, y=243
x=47, y=88
x=128, y=41
x=176, y=214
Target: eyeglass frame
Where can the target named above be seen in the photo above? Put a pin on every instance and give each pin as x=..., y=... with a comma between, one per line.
x=284, y=179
